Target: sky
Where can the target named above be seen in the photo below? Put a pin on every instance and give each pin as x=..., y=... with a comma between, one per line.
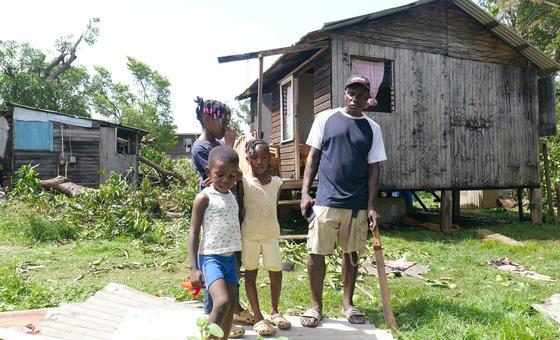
x=180, y=39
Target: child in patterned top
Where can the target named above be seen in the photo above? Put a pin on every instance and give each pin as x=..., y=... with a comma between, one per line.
x=212, y=256
x=258, y=197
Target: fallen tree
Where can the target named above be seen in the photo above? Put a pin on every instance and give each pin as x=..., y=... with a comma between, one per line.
x=164, y=173
x=63, y=185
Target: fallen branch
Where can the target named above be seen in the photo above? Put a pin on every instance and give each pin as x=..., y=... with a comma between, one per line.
x=163, y=171
x=63, y=185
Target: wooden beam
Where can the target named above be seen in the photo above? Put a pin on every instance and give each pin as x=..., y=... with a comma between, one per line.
x=544, y=148
x=456, y=203
x=558, y=201
x=259, y=97
x=266, y=53
x=446, y=212
x=303, y=66
x=420, y=201
x=520, y=203
x=535, y=205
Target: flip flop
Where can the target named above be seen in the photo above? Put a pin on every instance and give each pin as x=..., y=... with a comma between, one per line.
x=311, y=314
x=279, y=321
x=236, y=331
x=264, y=327
x=352, y=313
x=245, y=317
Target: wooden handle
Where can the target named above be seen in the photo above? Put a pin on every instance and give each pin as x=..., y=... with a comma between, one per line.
x=383, y=285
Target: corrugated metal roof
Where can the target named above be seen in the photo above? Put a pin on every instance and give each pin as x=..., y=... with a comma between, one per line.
x=546, y=65
x=100, y=121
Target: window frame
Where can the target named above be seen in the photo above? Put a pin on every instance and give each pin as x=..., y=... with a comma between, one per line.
x=392, y=98
x=289, y=80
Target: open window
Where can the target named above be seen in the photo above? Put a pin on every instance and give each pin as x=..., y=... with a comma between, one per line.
x=287, y=109
x=380, y=74
x=126, y=142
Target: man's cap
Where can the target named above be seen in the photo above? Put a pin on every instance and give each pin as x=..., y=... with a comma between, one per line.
x=361, y=80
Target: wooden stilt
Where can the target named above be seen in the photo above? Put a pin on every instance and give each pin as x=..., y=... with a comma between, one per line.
x=456, y=196
x=558, y=201
x=446, y=211
x=535, y=205
x=520, y=203
x=547, y=180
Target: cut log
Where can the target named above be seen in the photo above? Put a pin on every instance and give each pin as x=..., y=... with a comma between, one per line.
x=63, y=185
x=162, y=171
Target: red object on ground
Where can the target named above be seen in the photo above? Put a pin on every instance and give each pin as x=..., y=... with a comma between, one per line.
x=187, y=285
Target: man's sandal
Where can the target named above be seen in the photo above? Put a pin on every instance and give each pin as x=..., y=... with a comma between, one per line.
x=279, y=321
x=236, y=331
x=352, y=314
x=264, y=327
x=245, y=317
x=312, y=315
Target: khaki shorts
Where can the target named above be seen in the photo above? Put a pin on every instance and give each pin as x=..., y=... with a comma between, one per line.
x=331, y=224
x=270, y=250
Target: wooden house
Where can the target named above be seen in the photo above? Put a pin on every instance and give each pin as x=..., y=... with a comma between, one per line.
x=182, y=148
x=84, y=150
x=461, y=99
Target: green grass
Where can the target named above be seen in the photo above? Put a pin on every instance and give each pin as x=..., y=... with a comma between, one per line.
x=484, y=303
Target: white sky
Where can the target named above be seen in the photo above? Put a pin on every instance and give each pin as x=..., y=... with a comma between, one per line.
x=179, y=39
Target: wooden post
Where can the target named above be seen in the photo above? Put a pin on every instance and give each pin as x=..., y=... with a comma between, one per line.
x=535, y=205
x=456, y=203
x=520, y=203
x=547, y=179
x=446, y=211
x=260, y=97
x=558, y=201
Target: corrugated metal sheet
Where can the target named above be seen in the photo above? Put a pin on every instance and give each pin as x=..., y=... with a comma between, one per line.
x=100, y=316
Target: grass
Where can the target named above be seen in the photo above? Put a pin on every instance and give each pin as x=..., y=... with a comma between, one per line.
x=475, y=301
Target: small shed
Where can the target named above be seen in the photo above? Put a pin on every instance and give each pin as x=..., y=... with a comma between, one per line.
x=461, y=99
x=182, y=148
x=84, y=150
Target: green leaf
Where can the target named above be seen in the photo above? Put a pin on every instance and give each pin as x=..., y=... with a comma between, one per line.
x=215, y=330
x=202, y=321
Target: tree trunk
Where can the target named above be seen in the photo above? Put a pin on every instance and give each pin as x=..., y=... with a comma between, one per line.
x=161, y=170
x=63, y=185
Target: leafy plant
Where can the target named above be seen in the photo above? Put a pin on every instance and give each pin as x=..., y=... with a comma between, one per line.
x=206, y=329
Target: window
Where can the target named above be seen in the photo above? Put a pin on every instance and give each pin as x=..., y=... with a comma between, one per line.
x=380, y=74
x=33, y=135
x=187, y=144
x=126, y=142
x=287, y=109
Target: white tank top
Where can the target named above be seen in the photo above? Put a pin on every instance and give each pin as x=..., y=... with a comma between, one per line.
x=220, y=226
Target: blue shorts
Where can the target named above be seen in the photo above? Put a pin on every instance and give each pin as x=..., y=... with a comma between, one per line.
x=215, y=267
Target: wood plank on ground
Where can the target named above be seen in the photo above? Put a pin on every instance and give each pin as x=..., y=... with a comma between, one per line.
x=490, y=235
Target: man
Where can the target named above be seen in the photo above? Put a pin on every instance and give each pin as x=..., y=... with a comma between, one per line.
x=346, y=148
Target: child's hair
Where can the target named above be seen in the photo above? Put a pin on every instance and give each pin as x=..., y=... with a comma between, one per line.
x=224, y=154
x=251, y=145
x=212, y=108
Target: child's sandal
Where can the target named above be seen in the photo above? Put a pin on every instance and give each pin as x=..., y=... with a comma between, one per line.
x=236, y=331
x=279, y=321
x=244, y=317
x=264, y=328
